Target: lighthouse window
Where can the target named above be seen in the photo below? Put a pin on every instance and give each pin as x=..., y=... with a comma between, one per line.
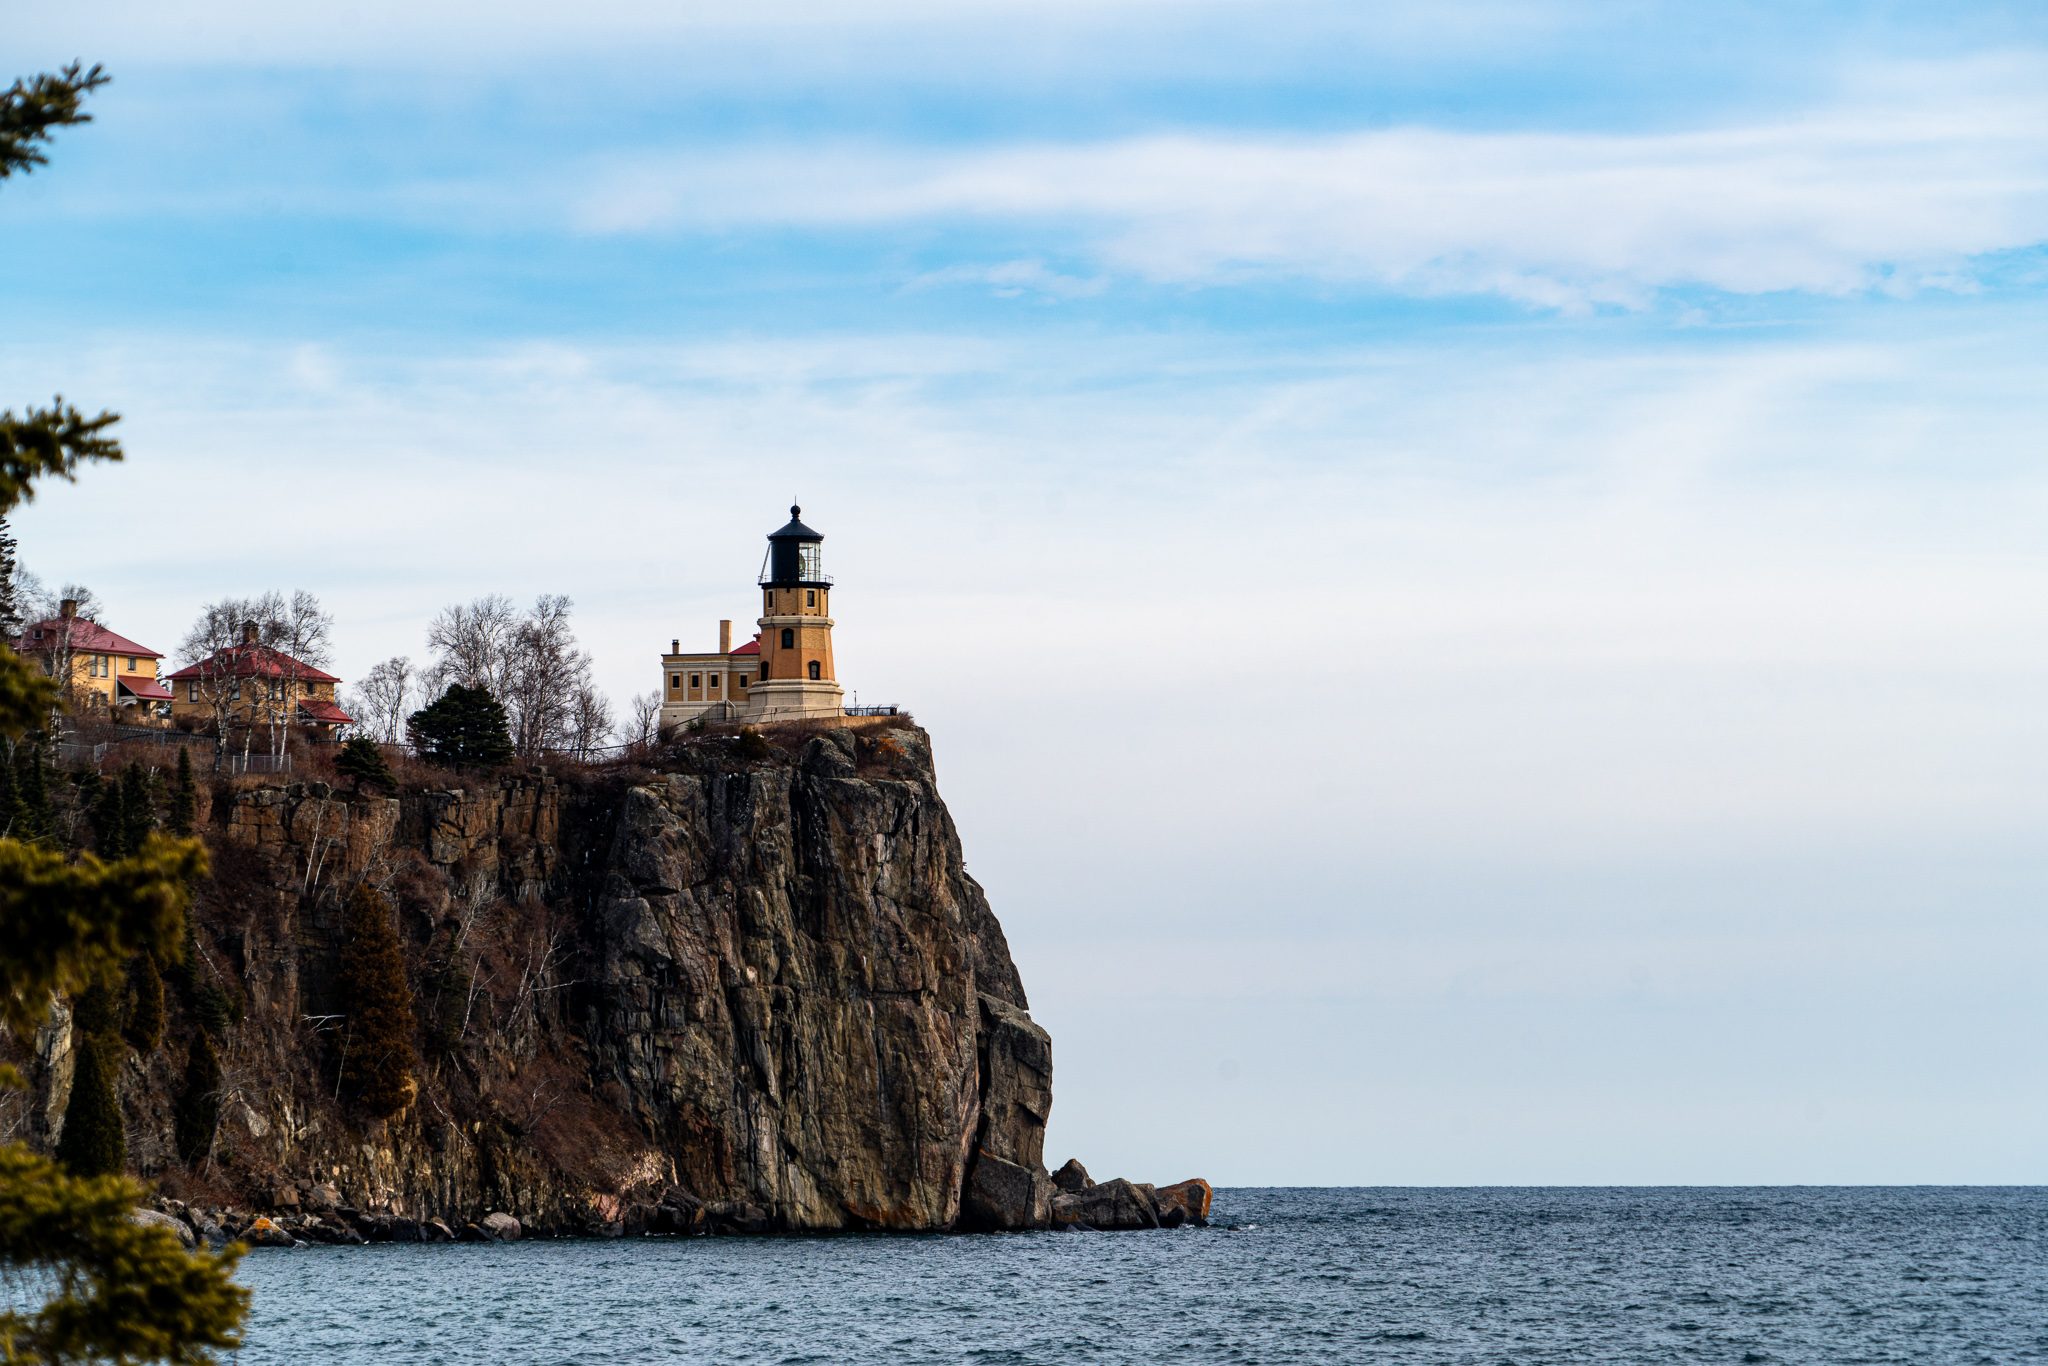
x=814, y=670
x=811, y=560
x=788, y=639
x=810, y=597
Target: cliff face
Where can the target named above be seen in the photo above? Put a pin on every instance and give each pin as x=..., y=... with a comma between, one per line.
x=756, y=989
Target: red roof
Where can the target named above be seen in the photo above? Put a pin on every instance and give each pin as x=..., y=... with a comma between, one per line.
x=148, y=689
x=325, y=712
x=88, y=636
x=752, y=647
x=253, y=661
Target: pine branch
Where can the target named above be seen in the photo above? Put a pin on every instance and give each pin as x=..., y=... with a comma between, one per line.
x=32, y=108
x=49, y=441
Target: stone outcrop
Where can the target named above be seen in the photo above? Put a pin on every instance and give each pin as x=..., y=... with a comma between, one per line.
x=749, y=990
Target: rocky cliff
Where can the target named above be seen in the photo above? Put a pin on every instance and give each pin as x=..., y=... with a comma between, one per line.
x=751, y=987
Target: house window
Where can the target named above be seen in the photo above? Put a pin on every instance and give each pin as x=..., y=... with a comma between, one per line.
x=741, y=681
x=192, y=690
x=674, y=681
x=131, y=664
x=810, y=597
x=696, y=680
x=235, y=691
x=714, y=683
x=788, y=638
x=277, y=690
x=815, y=672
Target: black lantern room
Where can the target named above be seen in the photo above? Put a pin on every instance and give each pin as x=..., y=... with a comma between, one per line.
x=796, y=557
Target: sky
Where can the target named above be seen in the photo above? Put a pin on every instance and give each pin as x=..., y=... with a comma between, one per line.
x=1475, y=569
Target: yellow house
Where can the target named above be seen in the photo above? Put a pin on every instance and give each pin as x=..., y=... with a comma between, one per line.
x=785, y=671
x=252, y=684
x=97, y=666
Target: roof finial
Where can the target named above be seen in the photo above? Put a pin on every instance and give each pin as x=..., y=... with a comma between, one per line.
x=795, y=511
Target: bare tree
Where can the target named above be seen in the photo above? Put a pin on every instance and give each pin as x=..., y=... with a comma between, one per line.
x=384, y=698
x=642, y=725
x=40, y=603
x=531, y=663
x=472, y=645
x=590, y=724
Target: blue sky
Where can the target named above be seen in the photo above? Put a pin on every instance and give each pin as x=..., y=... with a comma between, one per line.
x=1475, y=568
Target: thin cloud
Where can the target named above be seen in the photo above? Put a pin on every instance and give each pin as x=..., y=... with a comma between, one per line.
x=1895, y=196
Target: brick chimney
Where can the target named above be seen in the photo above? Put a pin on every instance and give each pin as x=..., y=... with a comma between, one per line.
x=675, y=647
x=250, y=635
x=68, y=608
x=725, y=637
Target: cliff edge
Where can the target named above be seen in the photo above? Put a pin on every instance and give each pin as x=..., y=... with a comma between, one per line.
x=751, y=988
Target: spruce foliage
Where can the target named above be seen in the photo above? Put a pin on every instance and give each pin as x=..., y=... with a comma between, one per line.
x=362, y=761
x=198, y=1109
x=10, y=598
x=378, y=1059
x=465, y=728
x=85, y=1283
x=144, y=1026
x=184, y=796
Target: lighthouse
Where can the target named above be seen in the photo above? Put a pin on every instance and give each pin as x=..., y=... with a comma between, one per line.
x=796, y=677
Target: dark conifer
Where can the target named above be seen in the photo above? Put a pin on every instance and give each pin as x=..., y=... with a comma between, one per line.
x=465, y=728
x=138, y=809
x=10, y=600
x=184, y=796
x=362, y=761
x=32, y=789
x=378, y=1054
x=144, y=1026
x=198, y=1108
x=109, y=835
x=94, y=1141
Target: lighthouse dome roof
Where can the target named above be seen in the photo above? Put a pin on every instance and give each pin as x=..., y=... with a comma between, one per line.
x=796, y=530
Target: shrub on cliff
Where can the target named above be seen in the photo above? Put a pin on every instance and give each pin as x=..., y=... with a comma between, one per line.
x=362, y=762
x=377, y=1058
x=197, y=1116
x=464, y=728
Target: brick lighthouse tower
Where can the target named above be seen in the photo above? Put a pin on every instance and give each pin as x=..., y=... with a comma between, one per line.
x=796, y=676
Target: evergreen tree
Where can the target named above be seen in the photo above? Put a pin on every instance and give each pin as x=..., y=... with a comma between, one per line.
x=144, y=1026
x=362, y=761
x=198, y=1108
x=85, y=1283
x=109, y=835
x=10, y=598
x=94, y=1141
x=378, y=1056
x=138, y=809
x=96, y=1013
x=464, y=728
x=184, y=796
x=32, y=789
x=10, y=796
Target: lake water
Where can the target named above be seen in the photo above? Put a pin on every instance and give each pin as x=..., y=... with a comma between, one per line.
x=1481, y=1276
